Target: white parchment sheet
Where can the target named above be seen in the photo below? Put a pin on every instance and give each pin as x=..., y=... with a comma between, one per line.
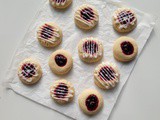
x=82, y=74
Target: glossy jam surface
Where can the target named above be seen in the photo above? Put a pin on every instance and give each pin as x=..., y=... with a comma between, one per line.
x=90, y=47
x=60, y=1
x=61, y=60
x=125, y=17
x=107, y=73
x=127, y=48
x=87, y=14
x=28, y=70
x=47, y=31
x=61, y=90
x=92, y=102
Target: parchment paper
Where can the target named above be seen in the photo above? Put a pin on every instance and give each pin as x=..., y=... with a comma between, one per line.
x=82, y=74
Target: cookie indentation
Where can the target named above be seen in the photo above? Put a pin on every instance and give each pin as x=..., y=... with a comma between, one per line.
x=127, y=48
x=61, y=60
x=90, y=47
x=28, y=70
x=92, y=102
x=61, y=91
x=87, y=14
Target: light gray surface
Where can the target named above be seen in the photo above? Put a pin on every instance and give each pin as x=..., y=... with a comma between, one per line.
x=140, y=98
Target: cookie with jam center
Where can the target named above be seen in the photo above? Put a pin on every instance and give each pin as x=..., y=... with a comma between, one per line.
x=60, y=62
x=125, y=49
x=60, y=4
x=90, y=101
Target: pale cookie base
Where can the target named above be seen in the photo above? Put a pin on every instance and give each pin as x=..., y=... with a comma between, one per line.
x=47, y=44
x=117, y=51
x=82, y=101
x=60, y=70
x=61, y=6
x=83, y=25
x=70, y=87
x=35, y=79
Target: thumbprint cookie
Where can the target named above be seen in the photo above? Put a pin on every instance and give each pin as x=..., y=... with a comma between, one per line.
x=125, y=49
x=90, y=50
x=86, y=17
x=61, y=4
x=124, y=20
x=49, y=35
x=29, y=71
x=62, y=91
x=60, y=62
x=106, y=75
x=90, y=101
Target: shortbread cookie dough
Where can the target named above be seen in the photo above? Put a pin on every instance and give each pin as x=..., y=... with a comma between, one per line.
x=49, y=34
x=86, y=17
x=60, y=62
x=29, y=71
x=106, y=75
x=90, y=49
x=90, y=101
x=124, y=20
x=61, y=4
x=125, y=49
x=62, y=91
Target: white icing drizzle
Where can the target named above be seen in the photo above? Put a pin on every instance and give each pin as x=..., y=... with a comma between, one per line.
x=93, y=19
x=61, y=91
x=123, y=17
x=102, y=79
x=90, y=48
x=58, y=2
x=28, y=71
x=48, y=33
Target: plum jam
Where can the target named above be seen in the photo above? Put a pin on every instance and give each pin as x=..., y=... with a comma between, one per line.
x=107, y=73
x=47, y=31
x=28, y=70
x=61, y=90
x=87, y=14
x=90, y=47
x=127, y=48
x=61, y=60
x=92, y=102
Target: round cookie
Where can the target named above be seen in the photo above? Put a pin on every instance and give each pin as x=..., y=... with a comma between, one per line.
x=29, y=71
x=49, y=35
x=86, y=17
x=60, y=62
x=124, y=20
x=125, y=49
x=60, y=4
x=106, y=75
x=90, y=101
x=90, y=50
x=62, y=91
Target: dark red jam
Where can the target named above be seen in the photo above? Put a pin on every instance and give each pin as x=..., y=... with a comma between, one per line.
x=61, y=60
x=107, y=73
x=60, y=1
x=127, y=48
x=61, y=90
x=28, y=70
x=47, y=31
x=125, y=17
x=92, y=102
x=90, y=47
x=87, y=14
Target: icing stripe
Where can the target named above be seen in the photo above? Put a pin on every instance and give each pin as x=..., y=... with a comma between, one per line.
x=58, y=2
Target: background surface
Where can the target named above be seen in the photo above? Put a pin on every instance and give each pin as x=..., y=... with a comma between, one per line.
x=140, y=98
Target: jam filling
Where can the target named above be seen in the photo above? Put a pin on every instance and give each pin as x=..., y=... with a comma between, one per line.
x=107, y=73
x=127, y=48
x=61, y=60
x=59, y=1
x=47, y=31
x=87, y=14
x=61, y=90
x=92, y=102
x=90, y=47
x=28, y=70
x=125, y=17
